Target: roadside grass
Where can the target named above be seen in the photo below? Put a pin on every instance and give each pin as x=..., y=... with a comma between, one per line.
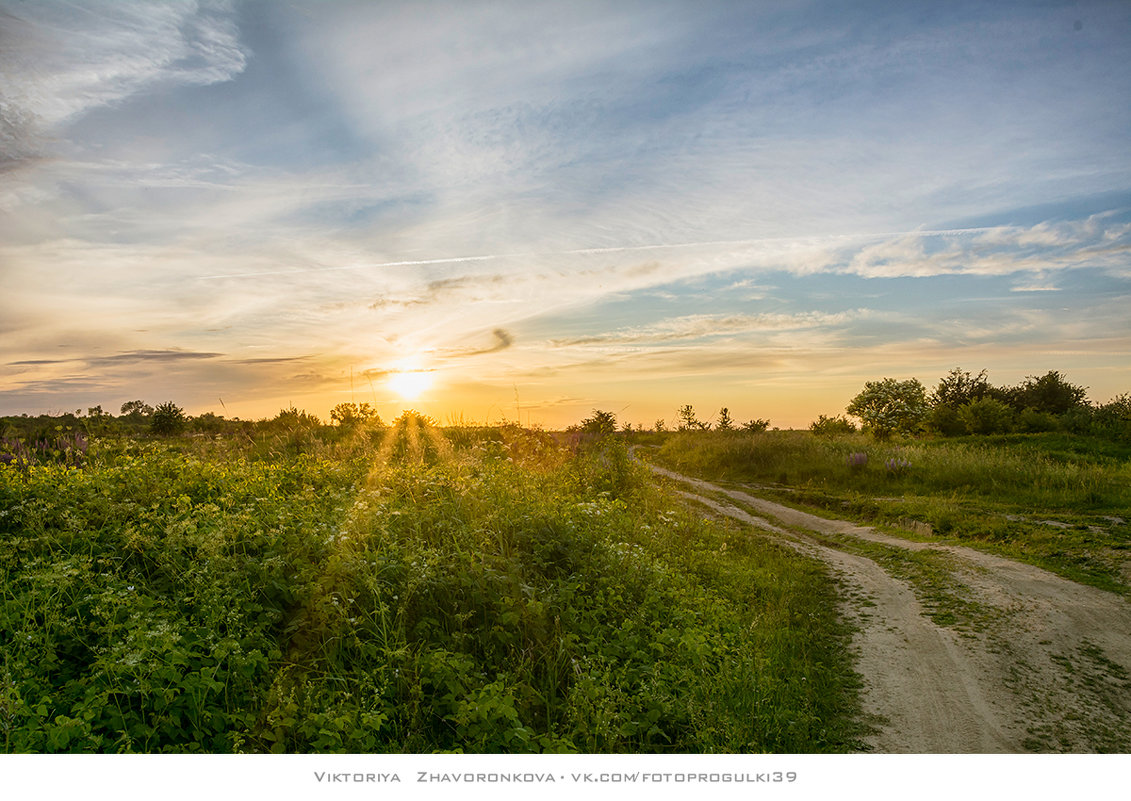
x=930, y=574
x=401, y=590
x=1054, y=500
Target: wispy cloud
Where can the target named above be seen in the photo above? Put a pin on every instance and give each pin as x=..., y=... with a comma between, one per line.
x=61, y=60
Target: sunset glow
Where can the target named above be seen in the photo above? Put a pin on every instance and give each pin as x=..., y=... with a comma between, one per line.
x=410, y=385
x=242, y=206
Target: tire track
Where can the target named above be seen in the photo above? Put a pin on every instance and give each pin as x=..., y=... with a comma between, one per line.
x=1052, y=673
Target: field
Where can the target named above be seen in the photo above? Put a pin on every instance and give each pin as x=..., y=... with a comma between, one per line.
x=1059, y=501
x=404, y=589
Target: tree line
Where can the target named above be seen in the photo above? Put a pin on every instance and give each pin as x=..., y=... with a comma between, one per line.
x=963, y=403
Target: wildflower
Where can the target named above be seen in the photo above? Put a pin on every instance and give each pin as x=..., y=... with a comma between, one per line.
x=897, y=466
x=857, y=460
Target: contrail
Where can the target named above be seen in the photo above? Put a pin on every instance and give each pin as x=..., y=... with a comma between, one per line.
x=615, y=249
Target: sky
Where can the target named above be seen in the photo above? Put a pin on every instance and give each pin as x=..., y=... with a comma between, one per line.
x=526, y=211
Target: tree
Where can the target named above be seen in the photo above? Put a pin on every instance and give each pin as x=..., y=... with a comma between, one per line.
x=661, y=426
x=725, y=422
x=687, y=419
x=756, y=426
x=168, y=418
x=1050, y=393
x=890, y=406
x=136, y=409
x=353, y=415
x=957, y=388
x=600, y=423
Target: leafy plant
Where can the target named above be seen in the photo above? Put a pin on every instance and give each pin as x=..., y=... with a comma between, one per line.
x=890, y=406
x=168, y=419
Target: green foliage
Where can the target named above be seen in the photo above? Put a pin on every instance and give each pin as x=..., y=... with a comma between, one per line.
x=687, y=419
x=994, y=491
x=958, y=388
x=890, y=406
x=601, y=423
x=756, y=426
x=1051, y=393
x=136, y=409
x=831, y=426
x=725, y=422
x=986, y=416
x=490, y=592
x=167, y=419
x=354, y=415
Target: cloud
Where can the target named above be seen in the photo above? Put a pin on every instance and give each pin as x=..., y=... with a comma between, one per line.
x=63, y=59
x=161, y=356
x=503, y=340
x=706, y=326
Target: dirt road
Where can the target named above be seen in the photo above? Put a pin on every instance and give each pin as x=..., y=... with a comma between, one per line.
x=962, y=651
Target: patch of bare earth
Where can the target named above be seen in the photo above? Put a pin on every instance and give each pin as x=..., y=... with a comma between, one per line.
x=1047, y=668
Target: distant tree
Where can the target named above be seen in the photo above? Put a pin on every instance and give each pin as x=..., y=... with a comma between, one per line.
x=136, y=409
x=829, y=426
x=726, y=423
x=1050, y=393
x=756, y=426
x=292, y=419
x=890, y=406
x=660, y=426
x=168, y=418
x=626, y=427
x=687, y=418
x=352, y=415
x=600, y=423
x=957, y=388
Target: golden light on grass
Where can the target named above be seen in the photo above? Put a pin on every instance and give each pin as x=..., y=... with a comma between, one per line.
x=410, y=384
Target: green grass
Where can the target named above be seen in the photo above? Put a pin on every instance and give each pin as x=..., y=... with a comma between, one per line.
x=400, y=591
x=1054, y=500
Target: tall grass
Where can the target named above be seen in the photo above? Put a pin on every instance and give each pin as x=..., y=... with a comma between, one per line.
x=400, y=591
x=1015, y=468
x=1051, y=499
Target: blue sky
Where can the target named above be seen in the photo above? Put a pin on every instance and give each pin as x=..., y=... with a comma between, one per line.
x=546, y=208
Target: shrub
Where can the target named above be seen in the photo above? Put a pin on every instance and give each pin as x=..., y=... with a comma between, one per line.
x=168, y=418
x=986, y=416
x=353, y=415
x=1030, y=421
x=831, y=426
x=945, y=420
x=601, y=423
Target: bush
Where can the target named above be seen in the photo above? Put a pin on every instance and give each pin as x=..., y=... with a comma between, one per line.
x=831, y=426
x=945, y=420
x=168, y=419
x=986, y=416
x=601, y=423
x=1030, y=421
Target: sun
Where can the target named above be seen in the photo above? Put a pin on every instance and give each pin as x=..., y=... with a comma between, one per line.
x=410, y=384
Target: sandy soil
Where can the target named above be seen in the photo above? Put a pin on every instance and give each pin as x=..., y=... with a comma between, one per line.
x=1046, y=668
